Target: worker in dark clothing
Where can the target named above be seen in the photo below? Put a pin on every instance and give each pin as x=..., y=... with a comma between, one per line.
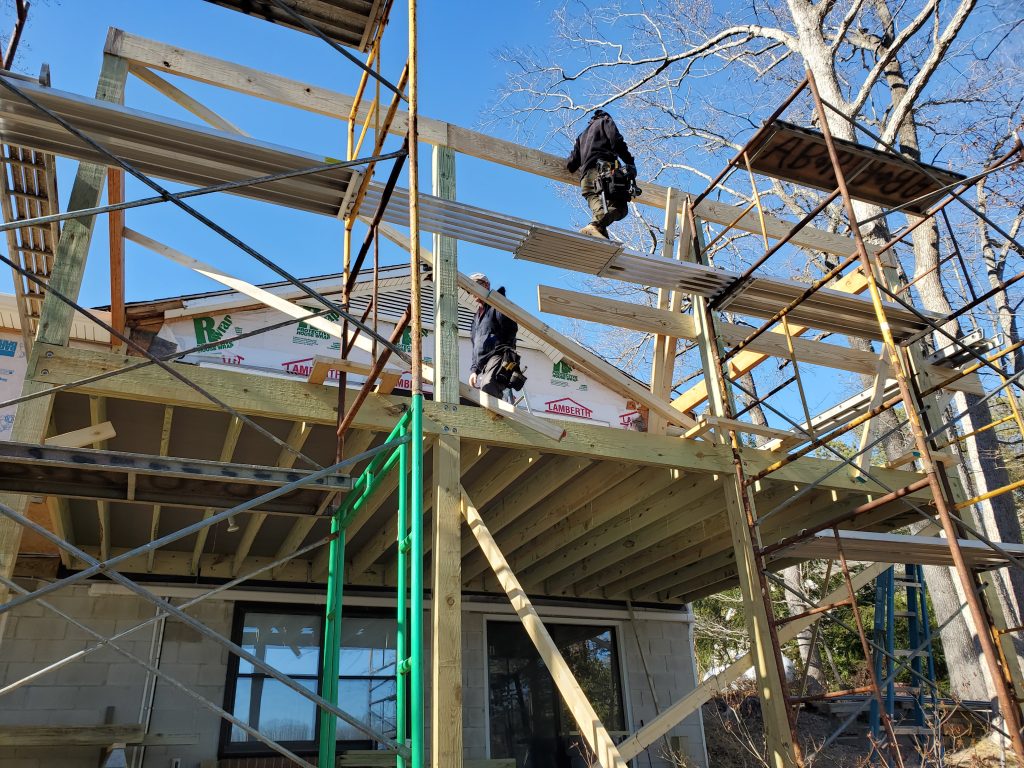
x=493, y=336
x=595, y=156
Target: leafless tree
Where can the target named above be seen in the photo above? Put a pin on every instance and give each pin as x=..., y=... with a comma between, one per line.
x=688, y=81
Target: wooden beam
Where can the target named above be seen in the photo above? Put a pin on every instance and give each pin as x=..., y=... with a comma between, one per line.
x=183, y=100
x=601, y=370
x=56, y=317
x=587, y=720
x=115, y=227
x=663, y=356
x=638, y=535
x=584, y=490
x=781, y=751
x=290, y=400
x=69, y=735
x=637, y=317
x=296, y=439
x=95, y=435
x=497, y=406
x=170, y=59
x=446, y=611
x=227, y=450
x=548, y=477
x=97, y=416
x=784, y=439
x=543, y=558
x=60, y=521
x=163, y=449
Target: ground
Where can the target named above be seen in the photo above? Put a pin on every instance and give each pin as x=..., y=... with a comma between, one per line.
x=733, y=728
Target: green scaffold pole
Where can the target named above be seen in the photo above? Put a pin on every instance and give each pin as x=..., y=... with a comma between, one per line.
x=416, y=704
x=332, y=642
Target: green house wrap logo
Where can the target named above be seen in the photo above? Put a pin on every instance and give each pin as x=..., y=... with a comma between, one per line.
x=307, y=330
x=209, y=331
x=562, y=370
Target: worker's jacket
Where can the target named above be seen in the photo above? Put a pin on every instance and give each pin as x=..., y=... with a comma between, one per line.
x=600, y=140
x=491, y=329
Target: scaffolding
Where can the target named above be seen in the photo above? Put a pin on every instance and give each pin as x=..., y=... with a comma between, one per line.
x=750, y=510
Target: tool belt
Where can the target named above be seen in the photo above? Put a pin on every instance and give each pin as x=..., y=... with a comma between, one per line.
x=616, y=184
x=509, y=373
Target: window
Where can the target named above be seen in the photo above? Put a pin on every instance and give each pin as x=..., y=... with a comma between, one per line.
x=528, y=720
x=289, y=641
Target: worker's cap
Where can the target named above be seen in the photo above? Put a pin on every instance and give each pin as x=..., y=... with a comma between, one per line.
x=479, y=277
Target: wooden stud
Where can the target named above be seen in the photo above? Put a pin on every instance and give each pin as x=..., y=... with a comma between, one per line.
x=227, y=450
x=663, y=362
x=163, y=450
x=95, y=435
x=296, y=439
x=97, y=416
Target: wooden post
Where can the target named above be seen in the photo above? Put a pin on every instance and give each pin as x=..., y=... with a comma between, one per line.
x=771, y=685
x=446, y=633
x=663, y=363
x=33, y=417
x=115, y=221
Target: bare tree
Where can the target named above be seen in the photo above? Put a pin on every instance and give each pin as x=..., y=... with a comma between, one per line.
x=688, y=81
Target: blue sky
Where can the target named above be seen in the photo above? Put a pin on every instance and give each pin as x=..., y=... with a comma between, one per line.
x=459, y=77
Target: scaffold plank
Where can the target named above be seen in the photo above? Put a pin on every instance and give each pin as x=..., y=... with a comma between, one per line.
x=900, y=548
x=170, y=149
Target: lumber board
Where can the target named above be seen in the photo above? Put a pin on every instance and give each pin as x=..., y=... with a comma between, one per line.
x=899, y=548
x=69, y=735
x=207, y=69
x=637, y=317
x=79, y=438
x=582, y=711
x=575, y=353
x=497, y=406
x=289, y=400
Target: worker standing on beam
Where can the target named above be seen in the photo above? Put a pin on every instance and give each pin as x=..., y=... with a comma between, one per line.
x=606, y=186
x=495, y=368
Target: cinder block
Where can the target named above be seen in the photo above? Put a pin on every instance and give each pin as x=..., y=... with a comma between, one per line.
x=52, y=697
x=126, y=674
x=41, y=629
x=78, y=673
x=114, y=607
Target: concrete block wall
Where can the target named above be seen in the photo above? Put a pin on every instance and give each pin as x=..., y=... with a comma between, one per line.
x=666, y=647
x=81, y=692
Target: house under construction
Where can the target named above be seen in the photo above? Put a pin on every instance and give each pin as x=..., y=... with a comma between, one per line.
x=272, y=525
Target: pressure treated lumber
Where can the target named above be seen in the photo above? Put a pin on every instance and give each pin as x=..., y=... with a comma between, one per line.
x=544, y=426
x=291, y=400
x=637, y=317
x=587, y=721
x=171, y=59
x=580, y=357
x=79, y=438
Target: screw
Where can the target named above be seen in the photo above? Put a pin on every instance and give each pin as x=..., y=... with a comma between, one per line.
x=45, y=371
x=49, y=353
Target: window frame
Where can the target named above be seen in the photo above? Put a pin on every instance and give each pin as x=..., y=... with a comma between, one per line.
x=615, y=625
x=241, y=609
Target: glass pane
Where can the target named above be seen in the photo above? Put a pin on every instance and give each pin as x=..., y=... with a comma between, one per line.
x=277, y=711
x=367, y=646
x=288, y=642
x=372, y=702
x=527, y=719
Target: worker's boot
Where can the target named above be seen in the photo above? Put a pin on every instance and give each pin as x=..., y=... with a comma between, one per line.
x=594, y=231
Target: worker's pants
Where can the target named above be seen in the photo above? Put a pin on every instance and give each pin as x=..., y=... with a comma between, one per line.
x=487, y=379
x=590, y=188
